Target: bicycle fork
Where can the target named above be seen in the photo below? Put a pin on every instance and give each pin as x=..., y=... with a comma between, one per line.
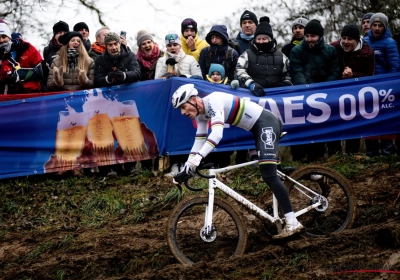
x=208, y=232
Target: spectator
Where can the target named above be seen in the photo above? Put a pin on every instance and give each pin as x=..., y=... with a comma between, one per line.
x=191, y=43
x=116, y=65
x=99, y=47
x=82, y=28
x=218, y=52
x=50, y=52
x=365, y=23
x=298, y=34
x=356, y=60
x=216, y=74
x=386, y=61
x=176, y=62
x=313, y=61
x=262, y=65
x=15, y=53
x=148, y=54
x=248, y=24
x=72, y=69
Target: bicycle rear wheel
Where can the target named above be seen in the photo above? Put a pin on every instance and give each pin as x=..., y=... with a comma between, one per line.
x=340, y=211
x=185, y=225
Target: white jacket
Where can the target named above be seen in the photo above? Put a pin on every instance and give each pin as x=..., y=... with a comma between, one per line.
x=187, y=65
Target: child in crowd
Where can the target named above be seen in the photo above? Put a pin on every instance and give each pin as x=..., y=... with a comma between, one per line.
x=216, y=74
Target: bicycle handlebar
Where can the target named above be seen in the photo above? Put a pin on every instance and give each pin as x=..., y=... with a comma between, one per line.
x=183, y=177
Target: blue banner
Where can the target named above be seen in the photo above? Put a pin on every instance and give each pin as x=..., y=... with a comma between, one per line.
x=134, y=122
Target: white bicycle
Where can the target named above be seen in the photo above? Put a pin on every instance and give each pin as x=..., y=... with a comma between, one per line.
x=206, y=228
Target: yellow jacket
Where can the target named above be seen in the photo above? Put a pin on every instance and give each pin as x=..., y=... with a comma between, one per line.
x=200, y=44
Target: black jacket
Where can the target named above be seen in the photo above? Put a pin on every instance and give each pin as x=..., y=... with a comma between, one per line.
x=126, y=62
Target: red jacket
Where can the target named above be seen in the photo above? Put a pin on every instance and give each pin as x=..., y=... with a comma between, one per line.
x=361, y=62
x=28, y=57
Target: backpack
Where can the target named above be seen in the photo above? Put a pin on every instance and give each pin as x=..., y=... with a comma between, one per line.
x=234, y=45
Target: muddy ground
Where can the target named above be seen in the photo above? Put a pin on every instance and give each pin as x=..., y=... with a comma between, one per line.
x=371, y=249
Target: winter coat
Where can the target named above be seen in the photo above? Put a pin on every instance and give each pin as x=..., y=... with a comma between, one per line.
x=187, y=65
x=314, y=65
x=126, y=62
x=70, y=78
x=219, y=54
x=386, y=53
x=361, y=60
x=49, y=54
x=266, y=69
x=28, y=57
x=200, y=44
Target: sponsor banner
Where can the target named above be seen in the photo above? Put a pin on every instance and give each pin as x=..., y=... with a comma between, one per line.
x=81, y=129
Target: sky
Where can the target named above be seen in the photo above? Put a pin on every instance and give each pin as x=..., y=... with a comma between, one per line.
x=131, y=16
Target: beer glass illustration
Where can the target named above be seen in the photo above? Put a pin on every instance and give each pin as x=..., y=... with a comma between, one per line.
x=70, y=139
x=126, y=124
x=100, y=129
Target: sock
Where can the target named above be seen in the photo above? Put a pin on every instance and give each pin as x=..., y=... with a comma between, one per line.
x=290, y=218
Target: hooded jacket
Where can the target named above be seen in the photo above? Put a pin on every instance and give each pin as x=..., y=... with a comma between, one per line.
x=223, y=54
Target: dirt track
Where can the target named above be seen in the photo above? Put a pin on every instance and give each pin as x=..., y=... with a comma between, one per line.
x=140, y=251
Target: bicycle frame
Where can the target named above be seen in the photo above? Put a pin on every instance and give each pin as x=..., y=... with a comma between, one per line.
x=214, y=183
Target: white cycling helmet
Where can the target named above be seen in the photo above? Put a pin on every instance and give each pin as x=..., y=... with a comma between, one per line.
x=183, y=94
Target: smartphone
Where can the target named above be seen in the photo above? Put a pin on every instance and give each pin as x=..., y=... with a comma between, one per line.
x=123, y=34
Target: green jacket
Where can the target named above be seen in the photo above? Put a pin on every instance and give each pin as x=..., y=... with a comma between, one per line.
x=314, y=65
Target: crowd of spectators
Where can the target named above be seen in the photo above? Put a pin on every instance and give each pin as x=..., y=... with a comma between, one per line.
x=252, y=60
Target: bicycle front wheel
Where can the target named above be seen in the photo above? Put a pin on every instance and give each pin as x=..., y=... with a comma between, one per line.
x=338, y=211
x=185, y=225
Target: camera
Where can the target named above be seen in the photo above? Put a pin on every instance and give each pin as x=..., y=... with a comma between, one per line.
x=123, y=34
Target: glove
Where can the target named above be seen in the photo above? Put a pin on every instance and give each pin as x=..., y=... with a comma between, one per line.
x=58, y=76
x=287, y=82
x=12, y=78
x=116, y=76
x=256, y=89
x=234, y=84
x=192, y=163
x=197, y=77
x=82, y=78
x=168, y=75
x=181, y=177
x=171, y=61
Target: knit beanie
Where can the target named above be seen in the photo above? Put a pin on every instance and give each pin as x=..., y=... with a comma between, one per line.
x=111, y=36
x=66, y=37
x=300, y=21
x=81, y=25
x=247, y=15
x=5, y=29
x=352, y=31
x=367, y=16
x=60, y=26
x=214, y=67
x=142, y=36
x=189, y=23
x=172, y=38
x=380, y=18
x=264, y=28
x=314, y=27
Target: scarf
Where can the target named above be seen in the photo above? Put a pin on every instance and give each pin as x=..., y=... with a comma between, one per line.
x=147, y=60
x=72, y=55
x=246, y=37
x=56, y=43
x=220, y=53
x=296, y=42
x=97, y=48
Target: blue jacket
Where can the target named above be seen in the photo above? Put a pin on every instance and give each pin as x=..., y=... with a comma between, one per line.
x=386, y=53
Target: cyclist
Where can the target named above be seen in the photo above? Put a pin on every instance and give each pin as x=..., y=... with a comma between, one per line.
x=220, y=108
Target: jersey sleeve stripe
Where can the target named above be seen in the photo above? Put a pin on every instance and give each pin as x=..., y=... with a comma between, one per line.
x=239, y=114
x=212, y=143
x=234, y=110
